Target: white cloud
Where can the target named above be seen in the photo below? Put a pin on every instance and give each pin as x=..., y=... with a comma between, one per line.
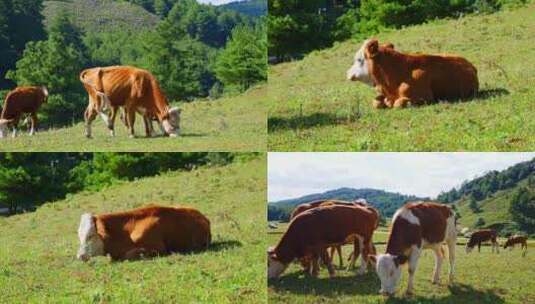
x=424, y=174
x=215, y=2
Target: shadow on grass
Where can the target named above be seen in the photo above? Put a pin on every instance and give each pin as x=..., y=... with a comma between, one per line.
x=491, y=93
x=223, y=245
x=299, y=283
x=460, y=293
x=302, y=122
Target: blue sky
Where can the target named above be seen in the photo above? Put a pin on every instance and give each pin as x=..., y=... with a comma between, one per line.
x=216, y=2
x=292, y=175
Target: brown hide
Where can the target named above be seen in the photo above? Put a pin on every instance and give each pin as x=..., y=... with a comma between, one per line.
x=22, y=100
x=433, y=221
x=481, y=236
x=417, y=78
x=153, y=231
x=517, y=239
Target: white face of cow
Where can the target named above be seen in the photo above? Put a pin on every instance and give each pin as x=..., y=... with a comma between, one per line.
x=90, y=242
x=171, y=125
x=389, y=273
x=468, y=249
x=275, y=267
x=4, y=127
x=359, y=71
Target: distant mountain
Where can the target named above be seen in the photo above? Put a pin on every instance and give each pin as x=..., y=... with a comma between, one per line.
x=102, y=15
x=386, y=202
x=255, y=8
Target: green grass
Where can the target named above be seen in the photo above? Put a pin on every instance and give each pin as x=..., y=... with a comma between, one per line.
x=480, y=278
x=228, y=124
x=37, y=252
x=313, y=106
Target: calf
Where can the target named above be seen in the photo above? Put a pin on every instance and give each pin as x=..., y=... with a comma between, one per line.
x=481, y=236
x=22, y=100
x=313, y=231
x=517, y=239
x=416, y=226
x=412, y=79
x=149, y=231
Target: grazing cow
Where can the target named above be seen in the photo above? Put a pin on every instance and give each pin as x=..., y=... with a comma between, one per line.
x=412, y=79
x=134, y=89
x=481, y=236
x=517, y=239
x=313, y=231
x=22, y=100
x=149, y=231
x=416, y=226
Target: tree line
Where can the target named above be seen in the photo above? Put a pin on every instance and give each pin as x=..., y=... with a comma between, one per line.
x=28, y=180
x=195, y=51
x=300, y=26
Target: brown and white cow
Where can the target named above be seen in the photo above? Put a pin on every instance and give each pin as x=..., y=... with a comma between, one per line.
x=22, y=100
x=412, y=79
x=134, y=89
x=313, y=231
x=149, y=232
x=416, y=226
x=517, y=239
x=481, y=236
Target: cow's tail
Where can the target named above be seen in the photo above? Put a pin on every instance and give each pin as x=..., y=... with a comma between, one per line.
x=99, y=90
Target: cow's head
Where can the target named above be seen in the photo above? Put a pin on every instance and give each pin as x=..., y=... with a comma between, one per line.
x=360, y=70
x=171, y=123
x=470, y=245
x=4, y=127
x=388, y=269
x=90, y=242
x=275, y=267
x=45, y=93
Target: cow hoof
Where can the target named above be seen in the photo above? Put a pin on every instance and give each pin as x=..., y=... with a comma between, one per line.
x=378, y=104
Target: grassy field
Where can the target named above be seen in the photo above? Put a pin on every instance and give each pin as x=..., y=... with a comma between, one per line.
x=229, y=124
x=480, y=278
x=313, y=106
x=37, y=252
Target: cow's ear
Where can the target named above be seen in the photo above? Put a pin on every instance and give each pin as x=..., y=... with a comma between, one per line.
x=388, y=45
x=400, y=260
x=372, y=48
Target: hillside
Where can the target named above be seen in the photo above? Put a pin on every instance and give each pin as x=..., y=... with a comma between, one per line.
x=255, y=8
x=386, y=202
x=102, y=15
x=313, y=106
x=37, y=252
x=227, y=124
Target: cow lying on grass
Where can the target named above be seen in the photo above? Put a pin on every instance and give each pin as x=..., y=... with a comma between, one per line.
x=481, y=236
x=144, y=232
x=412, y=79
x=20, y=101
x=136, y=90
x=313, y=231
x=416, y=226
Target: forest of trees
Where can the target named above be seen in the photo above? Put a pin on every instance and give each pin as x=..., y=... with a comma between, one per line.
x=28, y=180
x=187, y=52
x=299, y=26
x=482, y=187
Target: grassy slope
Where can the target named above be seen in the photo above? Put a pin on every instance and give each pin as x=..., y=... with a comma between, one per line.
x=37, y=252
x=102, y=15
x=494, y=209
x=313, y=107
x=229, y=124
x=480, y=278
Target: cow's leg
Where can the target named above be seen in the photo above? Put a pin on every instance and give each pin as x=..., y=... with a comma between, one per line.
x=111, y=120
x=413, y=262
x=315, y=265
x=479, y=247
x=149, y=130
x=439, y=257
x=328, y=262
x=379, y=102
x=340, y=258
x=89, y=115
x=401, y=102
x=364, y=245
x=451, y=256
x=497, y=246
x=33, y=121
x=131, y=119
x=355, y=254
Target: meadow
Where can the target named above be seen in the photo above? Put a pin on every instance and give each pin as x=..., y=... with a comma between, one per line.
x=483, y=277
x=226, y=124
x=312, y=107
x=37, y=252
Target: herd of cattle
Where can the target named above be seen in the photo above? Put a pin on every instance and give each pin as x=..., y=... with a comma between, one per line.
x=145, y=232
x=315, y=227
x=109, y=88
